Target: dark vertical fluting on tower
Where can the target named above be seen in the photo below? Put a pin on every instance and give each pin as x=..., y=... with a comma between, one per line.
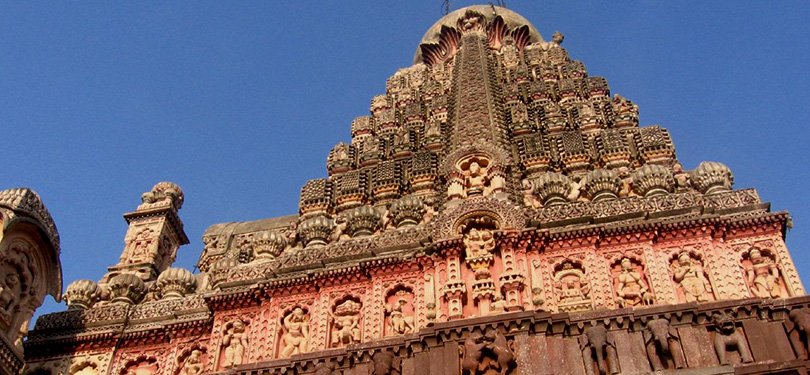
x=477, y=110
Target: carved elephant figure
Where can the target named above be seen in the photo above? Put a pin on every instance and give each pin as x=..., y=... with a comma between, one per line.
x=596, y=342
x=726, y=337
x=661, y=341
x=385, y=363
x=798, y=327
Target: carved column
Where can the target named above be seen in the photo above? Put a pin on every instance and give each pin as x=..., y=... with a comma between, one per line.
x=154, y=235
x=454, y=289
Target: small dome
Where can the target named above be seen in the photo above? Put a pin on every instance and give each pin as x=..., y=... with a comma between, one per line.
x=176, y=283
x=552, y=188
x=407, y=211
x=601, y=184
x=489, y=12
x=269, y=244
x=126, y=288
x=315, y=231
x=82, y=294
x=363, y=221
x=711, y=177
x=652, y=179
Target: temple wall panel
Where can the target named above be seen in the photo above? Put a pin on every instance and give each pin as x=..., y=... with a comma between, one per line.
x=91, y=362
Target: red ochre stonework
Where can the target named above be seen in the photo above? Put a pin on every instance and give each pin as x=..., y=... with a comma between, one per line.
x=497, y=212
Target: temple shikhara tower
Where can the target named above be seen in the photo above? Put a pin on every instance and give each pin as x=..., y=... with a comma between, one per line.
x=498, y=211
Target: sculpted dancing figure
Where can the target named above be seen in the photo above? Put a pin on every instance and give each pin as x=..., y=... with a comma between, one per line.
x=630, y=286
x=763, y=275
x=297, y=333
x=235, y=342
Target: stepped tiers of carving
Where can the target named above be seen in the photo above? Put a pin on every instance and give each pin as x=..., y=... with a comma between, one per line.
x=496, y=206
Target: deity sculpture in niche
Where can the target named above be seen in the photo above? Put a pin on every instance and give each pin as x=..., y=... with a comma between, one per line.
x=489, y=353
x=400, y=312
x=345, y=323
x=147, y=366
x=295, y=338
x=192, y=365
x=478, y=243
x=688, y=273
x=573, y=288
x=762, y=274
x=631, y=288
x=234, y=343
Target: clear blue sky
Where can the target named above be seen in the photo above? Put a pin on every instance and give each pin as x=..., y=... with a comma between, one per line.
x=240, y=102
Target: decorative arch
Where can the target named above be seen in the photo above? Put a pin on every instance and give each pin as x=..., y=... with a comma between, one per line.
x=503, y=214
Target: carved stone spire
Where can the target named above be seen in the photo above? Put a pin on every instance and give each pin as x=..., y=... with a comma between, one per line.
x=154, y=235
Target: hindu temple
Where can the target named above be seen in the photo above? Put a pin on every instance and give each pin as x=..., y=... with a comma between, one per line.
x=497, y=211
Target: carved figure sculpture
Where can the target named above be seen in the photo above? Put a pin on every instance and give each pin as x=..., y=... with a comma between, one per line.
x=726, y=337
x=630, y=286
x=475, y=178
x=798, y=327
x=192, y=365
x=346, y=323
x=662, y=342
x=235, y=342
x=689, y=275
x=296, y=335
x=386, y=363
x=478, y=242
x=597, y=345
x=489, y=353
x=10, y=290
x=573, y=289
x=325, y=368
x=400, y=323
x=762, y=275
x=529, y=199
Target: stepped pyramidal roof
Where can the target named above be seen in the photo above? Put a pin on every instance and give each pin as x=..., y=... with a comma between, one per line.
x=497, y=203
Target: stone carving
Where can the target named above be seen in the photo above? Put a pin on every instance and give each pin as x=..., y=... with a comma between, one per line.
x=346, y=323
x=529, y=199
x=726, y=337
x=326, y=368
x=798, y=327
x=407, y=211
x=488, y=353
x=712, y=177
x=82, y=294
x=688, y=273
x=142, y=366
x=599, y=346
x=652, y=180
x=295, y=339
x=663, y=345
x=268, y=245
x=631, y=288
x=192, y=365
x=315, y=231
x=553, y=188
x=174, y=283
x=386, y=363
x=478, y=243
x=573, y=288
x=400, y=313
x=363, y=221
x=168, y=192
x=15, y=285
x=602, y=184
x=762, y=275
x=234, y=343
x=126, y=288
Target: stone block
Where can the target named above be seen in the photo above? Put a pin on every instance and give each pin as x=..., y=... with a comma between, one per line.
x=768, y=341
x=632, y=353
x=697, y=347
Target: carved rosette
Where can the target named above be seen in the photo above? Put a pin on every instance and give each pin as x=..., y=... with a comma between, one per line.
x=407, y=211
x=602, y=184
x=82, y=294
x=711, y=177
x=174, y=283
x=363, y=221
x=126, y=288
x=315, y=231
x=269, y=244
x=552, y=188
x=653, y=180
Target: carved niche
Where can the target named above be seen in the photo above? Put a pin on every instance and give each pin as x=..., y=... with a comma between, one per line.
x=762, y=274
x=630, y=284
x=399, y=312
x=572, y=287
x=191, y=362
x=141, y=366
x=345, y=319
x=692, y=281
x=295, y=332
x=234, y=344
x=489, y=353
